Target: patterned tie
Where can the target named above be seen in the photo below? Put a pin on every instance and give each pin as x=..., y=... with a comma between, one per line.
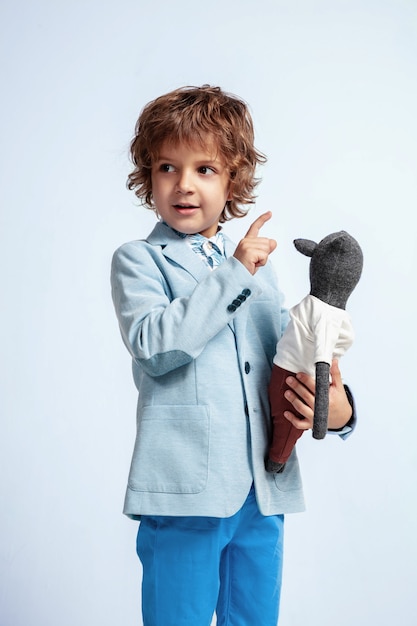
x=211, y=250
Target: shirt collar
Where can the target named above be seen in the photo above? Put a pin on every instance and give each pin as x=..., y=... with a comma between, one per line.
x=196, y=238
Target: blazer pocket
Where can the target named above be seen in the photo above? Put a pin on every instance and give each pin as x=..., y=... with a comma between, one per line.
x=171, y=450
x=290, y=478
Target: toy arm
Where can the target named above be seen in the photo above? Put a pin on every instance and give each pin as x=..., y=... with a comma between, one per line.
x=321, y=401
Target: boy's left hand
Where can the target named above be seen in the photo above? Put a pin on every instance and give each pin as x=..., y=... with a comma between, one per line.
x=301, y=397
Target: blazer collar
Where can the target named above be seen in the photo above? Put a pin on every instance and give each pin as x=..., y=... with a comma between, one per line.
x=175, y=248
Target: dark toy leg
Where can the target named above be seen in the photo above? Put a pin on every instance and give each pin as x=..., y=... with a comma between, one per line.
x=321, y=404
x=284, y=434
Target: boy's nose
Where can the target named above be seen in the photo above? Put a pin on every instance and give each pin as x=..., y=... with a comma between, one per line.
x=184, y=183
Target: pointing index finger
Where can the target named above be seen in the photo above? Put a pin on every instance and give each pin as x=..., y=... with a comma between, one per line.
x=258, y=223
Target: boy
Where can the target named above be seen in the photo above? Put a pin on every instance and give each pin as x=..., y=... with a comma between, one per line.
x=201, y=319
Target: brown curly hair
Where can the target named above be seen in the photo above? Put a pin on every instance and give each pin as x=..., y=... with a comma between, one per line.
x=190, y=115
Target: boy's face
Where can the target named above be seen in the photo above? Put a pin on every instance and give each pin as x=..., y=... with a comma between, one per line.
x=190, y=187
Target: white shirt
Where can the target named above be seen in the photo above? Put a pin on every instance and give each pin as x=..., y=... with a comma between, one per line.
x=317, y=332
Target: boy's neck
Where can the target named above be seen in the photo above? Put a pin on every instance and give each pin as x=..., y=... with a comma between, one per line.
x=184, y=235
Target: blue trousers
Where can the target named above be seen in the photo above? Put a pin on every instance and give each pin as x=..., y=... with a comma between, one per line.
x=194, y=566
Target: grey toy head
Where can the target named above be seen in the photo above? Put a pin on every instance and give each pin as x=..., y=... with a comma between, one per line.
x=335, y=266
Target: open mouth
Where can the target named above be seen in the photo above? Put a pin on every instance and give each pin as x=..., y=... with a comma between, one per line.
x=184, y=209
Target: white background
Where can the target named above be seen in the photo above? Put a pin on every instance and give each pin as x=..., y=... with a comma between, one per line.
x=332, y=86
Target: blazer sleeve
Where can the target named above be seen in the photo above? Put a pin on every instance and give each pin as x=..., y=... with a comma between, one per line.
x=348, y=429
x=163, y=332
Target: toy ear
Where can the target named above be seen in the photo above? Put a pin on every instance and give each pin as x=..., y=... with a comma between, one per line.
x=305, y=246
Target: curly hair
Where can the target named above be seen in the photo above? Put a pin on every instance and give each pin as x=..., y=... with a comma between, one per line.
x=198, y=114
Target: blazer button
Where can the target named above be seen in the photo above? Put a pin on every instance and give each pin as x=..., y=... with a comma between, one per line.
x=247, y=367
x=246, y=292
x=231, y=308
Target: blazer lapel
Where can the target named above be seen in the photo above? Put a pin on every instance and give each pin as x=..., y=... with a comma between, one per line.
x=173, y=248
x=229, y=246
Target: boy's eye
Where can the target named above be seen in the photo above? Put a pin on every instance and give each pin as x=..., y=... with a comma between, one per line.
x=166, y=167
x=206, y=170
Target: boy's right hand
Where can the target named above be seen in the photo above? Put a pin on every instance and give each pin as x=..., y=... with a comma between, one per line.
x=253, y=251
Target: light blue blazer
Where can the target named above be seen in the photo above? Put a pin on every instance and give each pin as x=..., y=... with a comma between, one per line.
x=202, y=344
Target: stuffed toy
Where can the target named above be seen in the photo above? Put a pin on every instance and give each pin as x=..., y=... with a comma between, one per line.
x=319, y=330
